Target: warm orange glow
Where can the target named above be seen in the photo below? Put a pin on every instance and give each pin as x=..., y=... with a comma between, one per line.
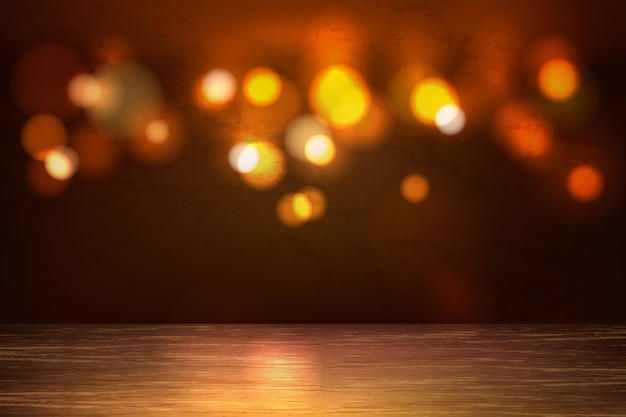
x=400, y=87
x=270, y=168
x=84, y=90
x=243, y=157
x=320, y=150
x=585, y=183
x=523, y=132
x=262, y=86
x=286, y=213
x=340, y=96
x=558, y=79
x=317, y=200
x=98, y=154
x=41, y=133
x=157, y=131
x=300, y=130
x=302, y=207
x=450, y=119
x=415, y=188
x=159, y=139
x=61, y=162
x=429, y=96
x=41, y=77
x=371, y=131
x=218, y=87
x=131, y=96
x=271, y=120
x=41, y=182
x=306, y=205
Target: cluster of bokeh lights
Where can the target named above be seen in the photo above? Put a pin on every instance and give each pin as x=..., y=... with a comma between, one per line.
x=123, y=103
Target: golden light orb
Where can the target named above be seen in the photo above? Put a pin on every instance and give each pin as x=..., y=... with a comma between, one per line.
x=340, y=96
x=61, y=162
x=585, y=183
x=320, y=150
x=262, y=86
x=415, y=188
x=218, y=87
x=429, y=96
x=84, y=90
x=558, y=79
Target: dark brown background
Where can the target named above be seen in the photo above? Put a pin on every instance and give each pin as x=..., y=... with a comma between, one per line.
x=187, y=241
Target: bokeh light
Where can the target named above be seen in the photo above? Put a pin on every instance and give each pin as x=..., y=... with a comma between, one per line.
x=84, y=90
x=243, y=157
x=262, y=86
x=305, y=205
x=157, y=131
x=415, y=188
x=429, y=96
x=317, y=200
x=41, y=133
x=131, y=95
x=340, y=96
x=300, y=130
x=286, y=213
x=320, y=150
x=41, y=183
x=521, y=130
x=41, y=77
x=271, y=121
x=373, y=130
x=218, y=87
x=558, y=79
x=270, y=168
x=302, y=207
x=450, y=120
x=400, y=88
x=61, y=162
x=158, y=139
x=585, y=183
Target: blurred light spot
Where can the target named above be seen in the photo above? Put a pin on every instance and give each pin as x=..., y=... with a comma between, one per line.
x=558, y=79
x=340, y=96
x=84, y=90
x=415, y=188
x=300, y=130
x=41, y=133
x=269, y=170
x=430, y=95
x=286, y=213
x=159, y=138
x=400, y=88
x=320, y=150
x=369, y=132
x=41, y=182
x=243, y=157
x=98, y=154
x=306, y=205
x=273, y=119
x=547, y=49
x=218, y=87
x=450, y=119
x=523, y=132
x=61, y=162
x=131, y=94
x=317, y=200
x=262, y=86
x=585, y=183
x=157, y=131
x=302, y=207
x=41, y=77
